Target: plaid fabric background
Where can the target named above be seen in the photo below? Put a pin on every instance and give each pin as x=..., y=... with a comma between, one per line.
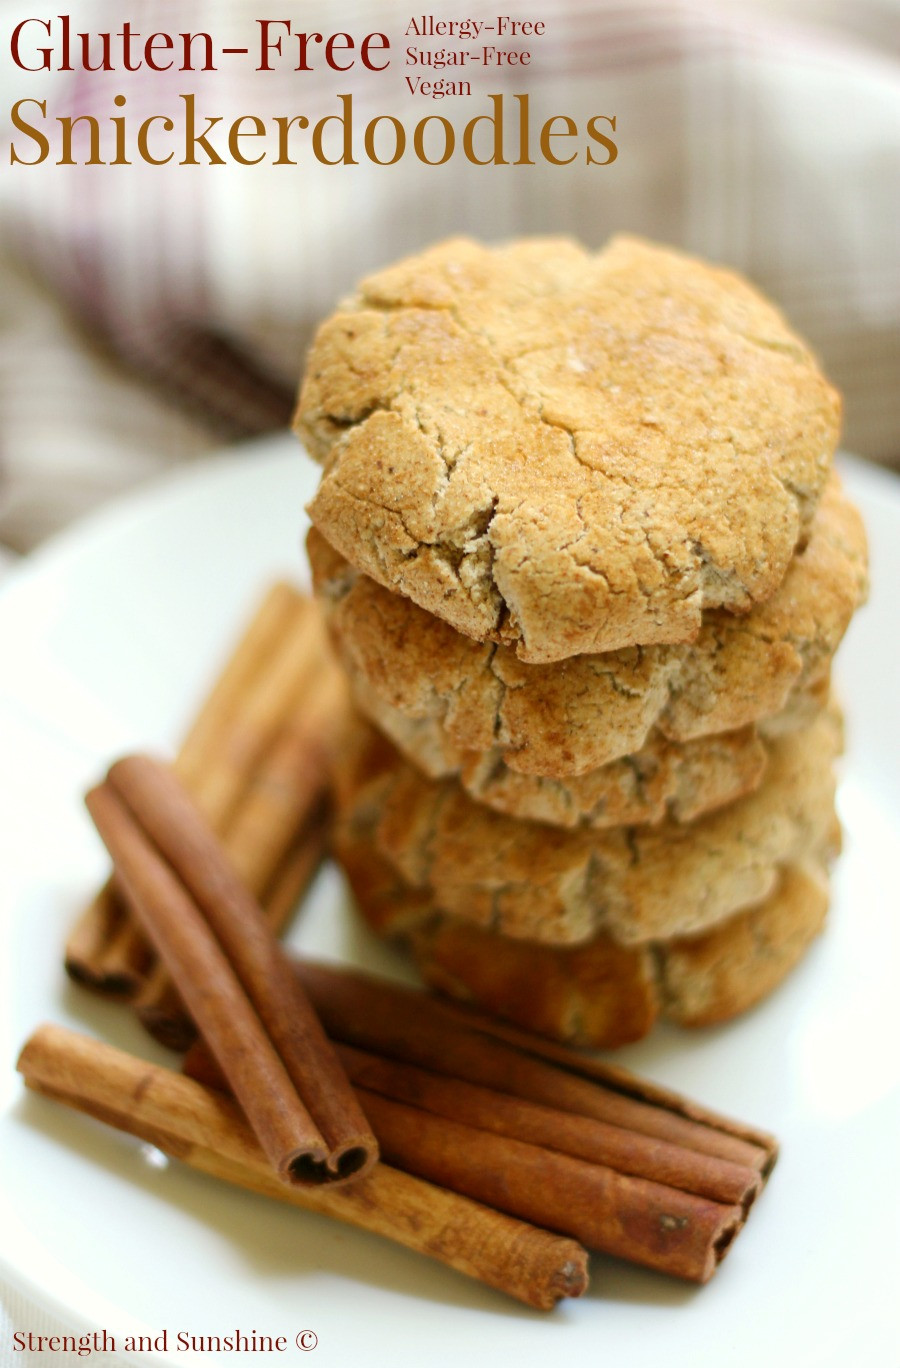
x=151, y=313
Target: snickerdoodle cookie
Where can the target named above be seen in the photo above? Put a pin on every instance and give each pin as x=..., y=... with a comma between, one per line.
x=600, y=993
x=566, y=451
x=664, y=778
x=571, y=717
x=634, y=884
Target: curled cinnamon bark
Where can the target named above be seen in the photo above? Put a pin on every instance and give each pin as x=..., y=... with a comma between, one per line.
x=105, y=950
x=157, y=1004
x=255, y=760
x=232, y=974
x=644, y=1222
x=581, y=1137
x=762, y=1147
x=627, y=1152
x=207, y=1132
x=518, y=1157
x=408, y=1025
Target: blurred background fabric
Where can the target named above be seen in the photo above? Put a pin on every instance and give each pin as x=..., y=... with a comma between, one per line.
x=150, y=315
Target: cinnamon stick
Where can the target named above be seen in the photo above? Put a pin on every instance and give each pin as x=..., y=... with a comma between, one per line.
x=256, y=724
x=286, y=790
x=162, y=1012
x=249, y=662
x=230, y=970
x=405, y=1024
x=581, y=1137
x=241, y=731
x=620, y=1079
x=207, y=1132
x=298, y=868
x=644, y=1222
x=471, y=1140
x=158, y=1006
x=104, y=950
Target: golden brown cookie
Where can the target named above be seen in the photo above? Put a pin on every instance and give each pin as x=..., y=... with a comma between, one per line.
x=598, y=994
x=576, y=715
x=710, y=978
x=635, y=884
x=566, y=451
x=664, y=778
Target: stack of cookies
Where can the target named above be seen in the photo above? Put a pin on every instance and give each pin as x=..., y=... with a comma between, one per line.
x=586, y=564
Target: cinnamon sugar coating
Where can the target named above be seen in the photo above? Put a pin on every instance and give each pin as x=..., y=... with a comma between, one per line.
x=662, y=779
x=598, y=994
x=571, y=717
x=634, y=884
x=562, y=451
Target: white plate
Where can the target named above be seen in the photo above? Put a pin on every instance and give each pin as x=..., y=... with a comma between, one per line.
x=108, y=639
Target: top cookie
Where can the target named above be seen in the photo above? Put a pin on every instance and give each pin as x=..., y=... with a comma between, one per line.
x=563, y=451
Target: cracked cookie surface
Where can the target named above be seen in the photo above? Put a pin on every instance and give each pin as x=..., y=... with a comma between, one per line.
x=598, y=994
x=635, y=884
x=664, y=778
x=562, y=451
x=573, y=716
